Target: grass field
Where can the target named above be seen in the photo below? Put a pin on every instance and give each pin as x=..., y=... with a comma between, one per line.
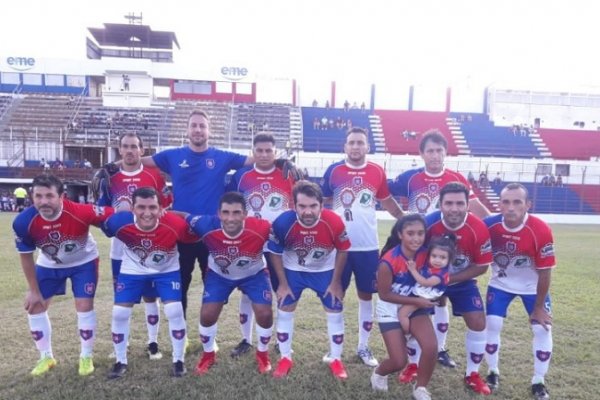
x=575, y=359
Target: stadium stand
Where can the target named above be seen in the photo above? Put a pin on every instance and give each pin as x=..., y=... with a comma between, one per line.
x=395, y=123
x=325, y=128
x=484, y=139
x=571, y=144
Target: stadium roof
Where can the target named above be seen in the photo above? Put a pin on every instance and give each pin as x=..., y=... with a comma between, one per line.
x=129, y=35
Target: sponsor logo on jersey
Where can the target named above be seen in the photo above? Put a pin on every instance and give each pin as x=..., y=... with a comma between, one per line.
x=547, y=250
x=184, y=164
x=486, y=247
x=98, y=210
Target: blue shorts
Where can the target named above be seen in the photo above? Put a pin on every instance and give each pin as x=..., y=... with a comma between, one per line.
x=364, y=266
x=465, y=297
x=130, y=287
x=148, y=291
x=498, y=300
x=257, y=287
x=53, y=281
x=317, y=281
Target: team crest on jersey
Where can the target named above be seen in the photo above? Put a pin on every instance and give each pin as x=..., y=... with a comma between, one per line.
x=265, y=186
x=210, y=163
x=422, y=202
x=233, y=250
x=308, y=240
x=98, y=210
x=131, y=188
x=347, y=197
x=256, y=201
x=433, y=188
x=89, y=288
x=146, y=243
x=547, y=250
x=357, y=180
x=502, y=260
x=511, y=247
x=54, y=235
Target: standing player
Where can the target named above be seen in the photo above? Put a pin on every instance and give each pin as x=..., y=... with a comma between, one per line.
x=421, y=186
x=523, y=249
x=235, y=244
x=117, y=193
x=473, y=256
x=267, y=194
x=60, y=229
x=309, y=249
x=20, y=195
x=353, y=186
x=149, y=258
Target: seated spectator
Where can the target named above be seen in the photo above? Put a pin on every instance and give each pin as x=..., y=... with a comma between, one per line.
x=346, y=106
x=552, y=180
x=545, y=180
x=559, y=181
x=498, y=179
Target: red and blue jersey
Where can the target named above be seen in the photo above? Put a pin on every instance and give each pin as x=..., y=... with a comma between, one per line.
x=233, y=257
x=267, y=194
x=148, y=252
x=403, y=281
x=422, y=189
x=473, y=246
x=122, y=186
x=354, y=192
x=198, y=177
x=64, y=242
x=308, y=249
x=519, y=253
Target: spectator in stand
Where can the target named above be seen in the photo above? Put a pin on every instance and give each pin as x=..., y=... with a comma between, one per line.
x=363, y=107
x=354, y=106
x=346, y=106
x=471, y=179
x=552, y=180
x=498, y=179
x=327, y=104
x=315, y=103
x=545, y=180
x=316, y=124
x=87, y=164
x=559, y=181
x=483, y=180
x=324, y=124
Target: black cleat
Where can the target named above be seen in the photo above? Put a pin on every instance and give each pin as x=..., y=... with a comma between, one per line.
x=493, y=380
x=445, y=359
x=153, y=351
x=540, y=392
x=117, y=371
x=242, y=348
x=178, y=369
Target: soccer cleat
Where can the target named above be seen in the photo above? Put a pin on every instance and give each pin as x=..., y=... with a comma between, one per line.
x=178, y=369
x=379, y=382
x=539, y=391
x=421, y=393
x=367, y=357
x=263, y=361
x=445, y=359
x=153, y=351
x=284, y=366
x=208, y=359
x=408, y=374
x=338, y=370
x=493, y=380
x=476, y=384
x=86, y=366
x=117, y=371
x=242, y=348
x=43, y=365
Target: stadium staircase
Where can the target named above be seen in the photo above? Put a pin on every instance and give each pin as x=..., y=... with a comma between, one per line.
x=571, y=144
x=457, y=135
x=488, y=197
x=295, y=129
x=377, y=132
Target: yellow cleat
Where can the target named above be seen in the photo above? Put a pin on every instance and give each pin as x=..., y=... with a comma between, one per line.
x=86, y=366
x=43, y=365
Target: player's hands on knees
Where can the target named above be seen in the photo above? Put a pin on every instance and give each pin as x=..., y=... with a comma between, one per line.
x=336, y=291
x=33, y=300
x=542, y=317
x=283, y=291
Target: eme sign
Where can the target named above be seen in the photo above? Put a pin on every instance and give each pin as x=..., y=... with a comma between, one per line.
x=20, y=63
x=234, y=73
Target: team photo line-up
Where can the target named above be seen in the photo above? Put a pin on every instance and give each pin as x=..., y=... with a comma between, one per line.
x=271, y=234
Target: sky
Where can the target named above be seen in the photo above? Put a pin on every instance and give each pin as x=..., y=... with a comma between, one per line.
x=530, y=43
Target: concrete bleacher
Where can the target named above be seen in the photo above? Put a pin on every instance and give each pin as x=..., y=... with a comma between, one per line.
x=249, y=119
x=487, y=140
x=332, y=138
x=395, y=122
x=554, y=199
x=571, y=144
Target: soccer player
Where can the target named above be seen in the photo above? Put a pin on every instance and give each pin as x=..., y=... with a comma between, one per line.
x=268, y=194
x=353, y=187
x=473, y=256
x=117, y=193
x=150, y=257
x=60, y=229
x=308, y=250
x=235, y=243
x=523, y=249
x=421, y=186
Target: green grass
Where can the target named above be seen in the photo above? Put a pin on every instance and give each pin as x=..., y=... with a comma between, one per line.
x=575, y=359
